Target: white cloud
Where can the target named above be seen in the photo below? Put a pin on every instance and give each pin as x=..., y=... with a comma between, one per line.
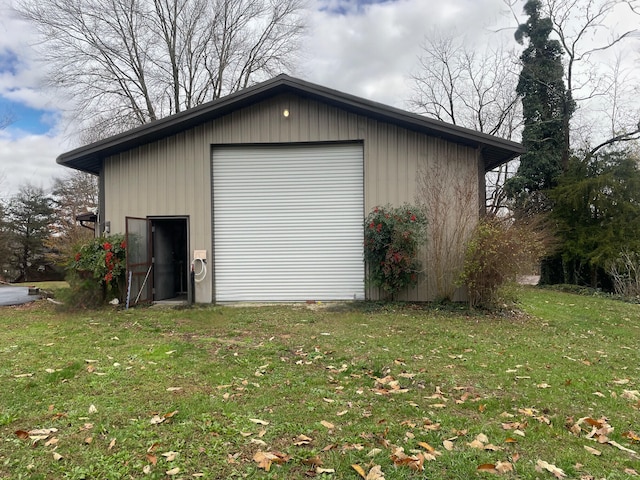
x=27, y=158
x=371, y=52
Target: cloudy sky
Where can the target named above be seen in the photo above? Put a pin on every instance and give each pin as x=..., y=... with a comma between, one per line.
x=364, y=47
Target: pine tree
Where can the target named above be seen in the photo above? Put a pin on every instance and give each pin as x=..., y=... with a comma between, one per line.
x=547, y=107
x=28, y=219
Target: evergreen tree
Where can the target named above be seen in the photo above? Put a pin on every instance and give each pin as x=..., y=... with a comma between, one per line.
x=597, y=209
x=547, y=108
x=28, y=220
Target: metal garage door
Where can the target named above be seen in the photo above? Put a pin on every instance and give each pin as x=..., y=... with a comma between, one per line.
x=288, y=222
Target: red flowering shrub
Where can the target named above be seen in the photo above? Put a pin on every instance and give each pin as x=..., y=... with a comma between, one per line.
x=104, y=259
x=392, y=239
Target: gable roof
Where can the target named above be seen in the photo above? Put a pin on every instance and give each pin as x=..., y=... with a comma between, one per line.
x=88, y=158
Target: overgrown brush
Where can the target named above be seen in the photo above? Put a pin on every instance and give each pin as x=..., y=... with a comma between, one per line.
x=499, y=250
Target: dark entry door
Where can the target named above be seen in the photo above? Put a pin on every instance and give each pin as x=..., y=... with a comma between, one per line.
x=170, y=258
x=139, y=261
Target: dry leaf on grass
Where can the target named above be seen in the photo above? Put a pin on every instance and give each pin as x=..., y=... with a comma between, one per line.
x=360, y=470
x=320, y=471
x=541, y=465
x=258, y=421
x=623, y=448
x=265, y=459
x=170, y=456
x=327, y=425
x=592, y=451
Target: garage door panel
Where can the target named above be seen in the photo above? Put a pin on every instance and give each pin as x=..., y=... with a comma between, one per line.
x=288, y=223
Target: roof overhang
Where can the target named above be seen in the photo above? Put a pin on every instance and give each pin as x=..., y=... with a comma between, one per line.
x=495, y=150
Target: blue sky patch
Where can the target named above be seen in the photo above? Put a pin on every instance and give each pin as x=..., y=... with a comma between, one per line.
x=343, y=7
x=9, y=62
x=27, y=119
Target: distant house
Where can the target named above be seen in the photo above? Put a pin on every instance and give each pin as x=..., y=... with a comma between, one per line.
x=264, y=192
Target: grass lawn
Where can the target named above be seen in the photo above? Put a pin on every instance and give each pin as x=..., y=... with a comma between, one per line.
x=294, y=392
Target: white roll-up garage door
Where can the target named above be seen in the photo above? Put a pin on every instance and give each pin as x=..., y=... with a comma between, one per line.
x=288, y=222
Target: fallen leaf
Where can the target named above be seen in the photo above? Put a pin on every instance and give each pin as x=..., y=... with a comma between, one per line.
x=624, y=449
x=258, y=421
x=174, y=389
x=57, y=457
x=621, y=381
x=504, y=467
x=51, y=441
x=375, y=473
x=427, y=447
x=88, y=440
x=482, y=438
x=448, y=445
x=42, y=431
x=170, y=456
x=631, y=471
x=265, y=459
x=633, y=395
x=592, y=451
x=112, y=444
x=487, y=468
x=302, y=440
x=492, y=448
x=476, y=444
x=324, y=470
x=360, y=470
x=631, y=436
x=373, y=452
x=327, y=425
x=152, y=459
x=173, y=471
x=22, y=434
x=313, y=461
x=541, y=465
x=146, y=469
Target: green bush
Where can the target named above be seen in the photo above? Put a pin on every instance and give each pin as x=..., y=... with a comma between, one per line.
x=392, y=239
x=97, y=270
x=499, y=250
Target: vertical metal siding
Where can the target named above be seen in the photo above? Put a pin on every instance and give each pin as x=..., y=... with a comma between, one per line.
x=173, y=176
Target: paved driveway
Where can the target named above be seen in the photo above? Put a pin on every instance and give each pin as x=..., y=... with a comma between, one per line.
x=15, y=295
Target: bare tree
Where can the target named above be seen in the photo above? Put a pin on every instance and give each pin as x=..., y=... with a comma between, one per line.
x=128, y=62
x=584, y=29
x=72, y=195
x=6, y=119
x=471, y=88
x=448, y=193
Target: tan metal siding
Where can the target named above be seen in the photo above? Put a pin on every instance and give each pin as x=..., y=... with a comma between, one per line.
x=173, y=176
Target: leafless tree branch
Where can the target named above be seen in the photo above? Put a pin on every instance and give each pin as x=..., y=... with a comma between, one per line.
x=128, y=62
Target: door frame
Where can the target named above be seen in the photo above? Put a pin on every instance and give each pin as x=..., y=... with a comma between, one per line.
x=151, y=219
